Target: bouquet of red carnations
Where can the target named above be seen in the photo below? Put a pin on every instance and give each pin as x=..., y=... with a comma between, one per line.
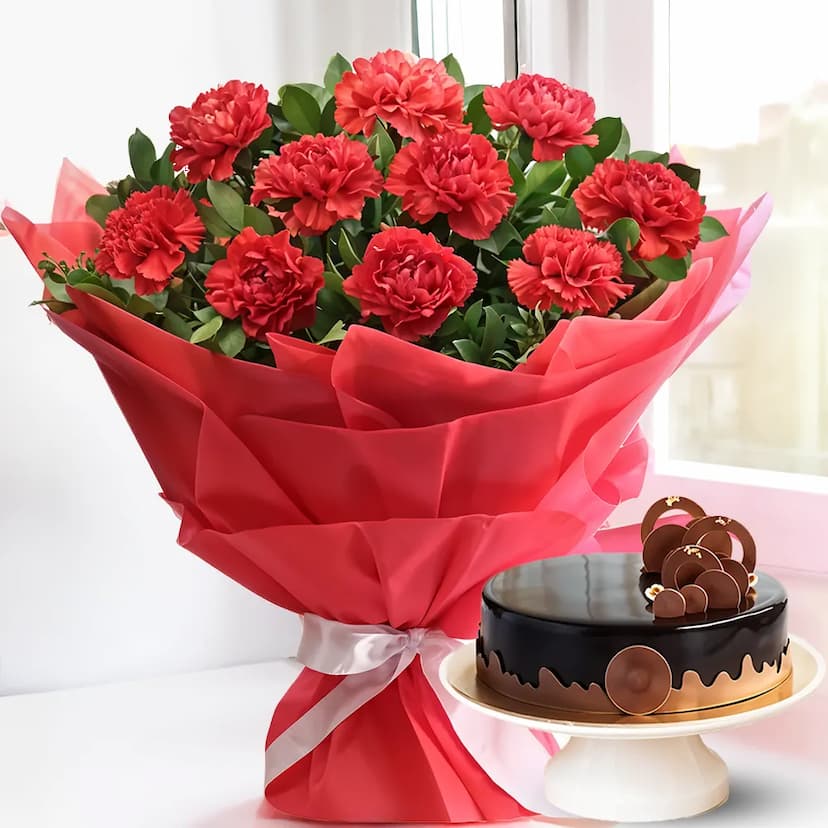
x=380, y=339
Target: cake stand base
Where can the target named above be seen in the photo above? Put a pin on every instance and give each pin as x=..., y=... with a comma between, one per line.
x=636, y=780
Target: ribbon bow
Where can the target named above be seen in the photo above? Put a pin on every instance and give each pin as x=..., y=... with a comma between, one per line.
x=372, y=656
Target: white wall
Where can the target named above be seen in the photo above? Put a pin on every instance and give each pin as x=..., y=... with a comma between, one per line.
x=92, y=585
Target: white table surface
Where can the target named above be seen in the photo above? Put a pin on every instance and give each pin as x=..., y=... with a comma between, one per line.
x=187, y=751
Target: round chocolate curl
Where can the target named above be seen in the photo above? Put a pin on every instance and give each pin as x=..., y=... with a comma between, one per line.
x=659, y=544
x=638, y=680
x=695, y=599
x=720, y=523
x=722, y=590
x=669, y=603
x=739, y=573
x=700, y=558
x=669, y=504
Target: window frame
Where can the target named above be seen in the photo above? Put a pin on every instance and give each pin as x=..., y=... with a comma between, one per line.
x=781, y=508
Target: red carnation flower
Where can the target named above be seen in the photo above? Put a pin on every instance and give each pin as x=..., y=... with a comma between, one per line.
x=568, y=268
x=668, y=210
x=552, y=113
x=410, y=281
x=146, y=238
x=219, y=124
x=417, y=98
x=456, y=174
x=267, y=282
x=328, y=179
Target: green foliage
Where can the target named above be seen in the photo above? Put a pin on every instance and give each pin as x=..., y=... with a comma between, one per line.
x=670, y=270
x=337, y=67
x=477, y=117
x=609, y=132
x=579, y=162
x=99, y=207
x=711, y=229
x=301, y=109
x=141, y=155
x=453, y=68
x=227, y=202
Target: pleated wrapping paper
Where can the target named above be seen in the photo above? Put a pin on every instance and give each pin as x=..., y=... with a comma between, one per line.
x=381, y=485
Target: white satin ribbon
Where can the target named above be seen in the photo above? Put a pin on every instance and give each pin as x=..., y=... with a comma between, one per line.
x=371, y=657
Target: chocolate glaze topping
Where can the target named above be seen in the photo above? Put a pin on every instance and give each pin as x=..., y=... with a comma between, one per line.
x=571, y=615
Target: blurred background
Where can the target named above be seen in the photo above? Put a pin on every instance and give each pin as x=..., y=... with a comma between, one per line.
x=92, y=585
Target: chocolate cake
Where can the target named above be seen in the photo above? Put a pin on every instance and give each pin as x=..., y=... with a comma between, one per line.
x=691, y=628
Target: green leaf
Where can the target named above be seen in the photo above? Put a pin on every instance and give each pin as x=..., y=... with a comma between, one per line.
x=632, y=267
x=125, y=188
x=231, y=338
x=335, y=334
x=78, y=275
x=468, y=350
x=671, y=270
x=139, y=306
x=207, y=331
x=624, y=233
x=500, y=237
x=609, y=132
x=473, y=314
x=258, y=220
x=518, y=181
x=711, y=229
x=477, y=116
x=650, y=157
x=161, y=171
x=471, y=92
x=214, y=223
x=99, y=207
x=100, y=292
x=381, y=146
x=544, y=176
x=301, y=109
x=174, y=324
x=56, y=288
x=623, y=148
x=206, y=313
x=569, y=216
x=318, y=93
x=494, y=333
x=337, y=67
x=579, y=162
x=141, y=155
x=228, y=203
x=453, y=68
x=328, y=124
x=346, y=250
x=692, y=175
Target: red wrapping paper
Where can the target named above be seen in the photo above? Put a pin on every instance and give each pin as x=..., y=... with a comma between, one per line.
x=384, y=483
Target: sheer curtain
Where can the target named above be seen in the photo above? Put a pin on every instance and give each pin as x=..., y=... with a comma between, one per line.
x=92, y=585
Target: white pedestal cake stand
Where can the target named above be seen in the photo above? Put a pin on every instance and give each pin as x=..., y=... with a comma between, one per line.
x=634, y=769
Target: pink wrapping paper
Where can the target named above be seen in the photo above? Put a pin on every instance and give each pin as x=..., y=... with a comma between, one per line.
x=384, y=483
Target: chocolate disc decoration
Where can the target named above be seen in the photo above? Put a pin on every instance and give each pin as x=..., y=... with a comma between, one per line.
x=669, y=603
x=687, y=573
x=722, y=590
x=659, y=543
x=703, y=558
x=739, y=573
x=695, y=598
x=719, y=543
x=638, y=680
x=669, y=504
x=718, y=523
